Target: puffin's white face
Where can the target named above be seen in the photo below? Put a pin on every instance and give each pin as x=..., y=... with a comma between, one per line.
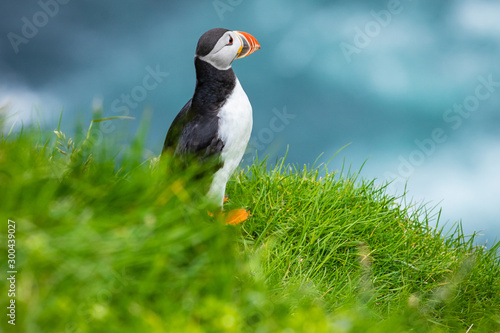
x=232, y=45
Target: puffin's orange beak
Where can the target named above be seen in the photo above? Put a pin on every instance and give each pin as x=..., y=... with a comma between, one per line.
x=248, y=44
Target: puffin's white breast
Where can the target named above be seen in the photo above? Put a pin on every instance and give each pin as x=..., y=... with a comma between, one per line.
x=235, y=127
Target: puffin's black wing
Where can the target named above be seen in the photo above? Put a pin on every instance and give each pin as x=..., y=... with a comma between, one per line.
x=193, y=134
x=175, y=130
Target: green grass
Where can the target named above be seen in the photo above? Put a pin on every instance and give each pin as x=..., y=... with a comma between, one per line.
x=108, y=241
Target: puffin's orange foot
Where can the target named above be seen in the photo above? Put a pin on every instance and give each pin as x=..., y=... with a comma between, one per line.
x=236, y=216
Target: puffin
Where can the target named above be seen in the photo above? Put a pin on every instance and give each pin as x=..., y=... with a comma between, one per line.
x=216, y=123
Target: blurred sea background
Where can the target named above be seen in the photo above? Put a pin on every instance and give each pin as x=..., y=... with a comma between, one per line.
x=412, y=86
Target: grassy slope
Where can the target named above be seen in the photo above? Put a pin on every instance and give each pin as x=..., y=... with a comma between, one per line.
x=101, y=250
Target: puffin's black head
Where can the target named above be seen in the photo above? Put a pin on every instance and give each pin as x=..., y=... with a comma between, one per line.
x=220, y=47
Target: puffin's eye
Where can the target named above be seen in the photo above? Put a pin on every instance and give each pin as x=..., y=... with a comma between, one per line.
x=230, y=41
